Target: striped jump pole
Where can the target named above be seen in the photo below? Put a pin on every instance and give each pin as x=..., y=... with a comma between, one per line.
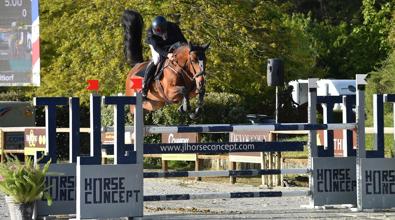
x=225, y=195
x=246, y=128
x=225, y=173
x=227, y=128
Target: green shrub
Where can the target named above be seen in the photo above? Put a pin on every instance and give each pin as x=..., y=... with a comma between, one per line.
x=219, y=108
x=24, y=182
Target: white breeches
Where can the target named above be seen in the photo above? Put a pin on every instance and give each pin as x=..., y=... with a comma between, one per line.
x=155, y=55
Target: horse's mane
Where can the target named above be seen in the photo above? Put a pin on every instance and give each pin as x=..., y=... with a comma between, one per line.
x=179, y=46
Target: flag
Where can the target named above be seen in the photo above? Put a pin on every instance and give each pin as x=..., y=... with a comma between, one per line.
x=93, y=84
x=137, y=83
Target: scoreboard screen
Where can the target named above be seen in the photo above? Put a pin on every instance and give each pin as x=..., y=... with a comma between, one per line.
x=19, y=43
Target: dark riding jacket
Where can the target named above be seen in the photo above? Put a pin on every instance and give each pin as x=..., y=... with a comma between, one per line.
x=174, y=35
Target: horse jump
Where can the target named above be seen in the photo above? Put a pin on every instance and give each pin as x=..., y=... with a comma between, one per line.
x=347, y=180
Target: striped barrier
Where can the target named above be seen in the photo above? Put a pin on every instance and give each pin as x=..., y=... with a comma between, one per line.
x=230, y=195
x=224, y=173
x=241, y=128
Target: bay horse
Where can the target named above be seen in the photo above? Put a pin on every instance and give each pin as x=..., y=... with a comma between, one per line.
x=183, y=75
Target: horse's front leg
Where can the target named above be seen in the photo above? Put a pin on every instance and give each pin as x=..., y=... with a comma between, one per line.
x=185, y=104
x=200, y=102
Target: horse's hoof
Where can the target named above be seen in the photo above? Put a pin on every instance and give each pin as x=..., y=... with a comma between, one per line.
x=196, y=114
x=198, y=111
x=193, y=116
x=185, y=108
x=180, y=110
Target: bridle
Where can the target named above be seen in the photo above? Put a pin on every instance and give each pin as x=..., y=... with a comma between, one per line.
x=201, y=60
x=184, y=73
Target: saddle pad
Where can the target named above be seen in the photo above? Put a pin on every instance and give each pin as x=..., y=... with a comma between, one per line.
x=158, y=73
x=141, y=72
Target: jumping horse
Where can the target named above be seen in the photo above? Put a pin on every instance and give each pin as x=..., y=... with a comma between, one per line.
x=182, y=76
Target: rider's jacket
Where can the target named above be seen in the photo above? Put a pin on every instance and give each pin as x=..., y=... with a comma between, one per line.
x=161, y=46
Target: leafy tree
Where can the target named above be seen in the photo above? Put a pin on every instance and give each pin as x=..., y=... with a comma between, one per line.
x=382, y=80
x=243, y=36
x=332, y=11
x=350, y=36
x=367, y=43
x=83, y=40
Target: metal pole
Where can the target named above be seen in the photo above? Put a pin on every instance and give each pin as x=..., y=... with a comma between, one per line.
x=360, y=120
x=276, y=113
x=279, y=179
x=312, y=143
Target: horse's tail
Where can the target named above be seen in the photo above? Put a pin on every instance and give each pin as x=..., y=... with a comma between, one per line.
x=133, y=24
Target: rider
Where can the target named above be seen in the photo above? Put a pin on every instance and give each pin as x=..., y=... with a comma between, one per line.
x=160, y=36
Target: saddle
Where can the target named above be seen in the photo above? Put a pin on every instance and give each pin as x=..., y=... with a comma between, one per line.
x=159, y=68
x=158, y=72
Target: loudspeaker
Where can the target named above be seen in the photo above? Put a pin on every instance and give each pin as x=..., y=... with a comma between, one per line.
x=275, y=72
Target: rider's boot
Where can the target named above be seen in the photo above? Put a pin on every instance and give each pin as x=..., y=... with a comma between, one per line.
x=148, y=75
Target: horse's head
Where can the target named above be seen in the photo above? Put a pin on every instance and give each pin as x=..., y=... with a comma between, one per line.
x=191, y=59
x=197, y=64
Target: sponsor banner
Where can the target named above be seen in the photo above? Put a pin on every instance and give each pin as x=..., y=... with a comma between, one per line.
x=108, y=137
x=13, y=140
x=337, y=141
x=378, y=183
x=247, y=137
x=218, y=148
x=34, y=140
x=334, y=181
x=109, y=191
x=180, y=138
x=61, y=183
x=35, y=137
x=180, y=157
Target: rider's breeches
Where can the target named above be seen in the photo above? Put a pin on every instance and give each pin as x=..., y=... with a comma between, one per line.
x=155, y=55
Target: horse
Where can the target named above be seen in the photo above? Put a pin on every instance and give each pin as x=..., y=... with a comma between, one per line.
x=182, y=77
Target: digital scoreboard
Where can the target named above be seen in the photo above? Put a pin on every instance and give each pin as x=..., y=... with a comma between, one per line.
x=19, y=43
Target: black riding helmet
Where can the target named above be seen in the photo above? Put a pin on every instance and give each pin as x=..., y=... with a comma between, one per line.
x=159, y=25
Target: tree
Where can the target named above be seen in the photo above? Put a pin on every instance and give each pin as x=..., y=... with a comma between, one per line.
x=348, y=48
x=83, y=40
x=382, y=80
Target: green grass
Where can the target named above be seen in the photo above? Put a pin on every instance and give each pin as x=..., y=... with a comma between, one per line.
x=388, y=144
x=296, y=153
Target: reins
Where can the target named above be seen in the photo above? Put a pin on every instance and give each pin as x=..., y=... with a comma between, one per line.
x=177, y=69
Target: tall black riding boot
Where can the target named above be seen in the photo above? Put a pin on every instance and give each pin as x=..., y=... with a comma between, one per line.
x=148, y=75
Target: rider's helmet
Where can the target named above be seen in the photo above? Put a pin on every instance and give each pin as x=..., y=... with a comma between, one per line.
x=159, y=26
